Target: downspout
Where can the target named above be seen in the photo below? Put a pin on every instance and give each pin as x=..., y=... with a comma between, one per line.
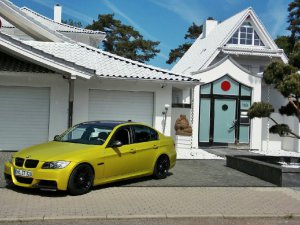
x=71, y=81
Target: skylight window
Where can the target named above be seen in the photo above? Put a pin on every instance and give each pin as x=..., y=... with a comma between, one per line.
x=246, y=35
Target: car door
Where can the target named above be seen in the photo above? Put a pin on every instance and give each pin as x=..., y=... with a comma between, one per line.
x=146, y=145
x=119, y=160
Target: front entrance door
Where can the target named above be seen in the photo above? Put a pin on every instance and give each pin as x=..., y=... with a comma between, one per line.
x=224, y=121
x=224, y=104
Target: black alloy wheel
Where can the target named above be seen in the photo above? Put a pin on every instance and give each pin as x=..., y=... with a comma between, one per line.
x=81, y=180
x=161, y=167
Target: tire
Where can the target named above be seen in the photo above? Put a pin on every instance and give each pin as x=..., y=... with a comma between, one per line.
x=161, y=167
x=81, y=180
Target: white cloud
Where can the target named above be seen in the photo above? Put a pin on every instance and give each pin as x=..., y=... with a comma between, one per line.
x=66, y=10
x=275, y=17
x=134, y=24
x=188, y=10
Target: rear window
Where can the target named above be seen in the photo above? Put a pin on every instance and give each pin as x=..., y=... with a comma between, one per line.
x=144, y=134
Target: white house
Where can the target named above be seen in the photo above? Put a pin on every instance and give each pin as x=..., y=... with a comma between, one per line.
x=229, y=58
x=52, y=76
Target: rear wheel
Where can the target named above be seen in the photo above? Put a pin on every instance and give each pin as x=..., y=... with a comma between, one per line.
x=81, y=180
x=161, y=167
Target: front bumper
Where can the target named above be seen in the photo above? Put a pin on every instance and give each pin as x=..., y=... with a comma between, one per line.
x=51, y=179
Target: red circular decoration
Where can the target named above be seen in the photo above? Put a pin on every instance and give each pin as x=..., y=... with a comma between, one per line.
x=225, y=86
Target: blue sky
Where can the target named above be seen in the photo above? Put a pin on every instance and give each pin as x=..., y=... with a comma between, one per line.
x=165, y=20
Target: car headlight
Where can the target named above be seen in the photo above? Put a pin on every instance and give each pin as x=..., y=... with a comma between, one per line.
x=55, y=165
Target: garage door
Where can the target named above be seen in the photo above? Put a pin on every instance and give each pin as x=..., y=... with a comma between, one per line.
x=121, y=105
x=24, y=116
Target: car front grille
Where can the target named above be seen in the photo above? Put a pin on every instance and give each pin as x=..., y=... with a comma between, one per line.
x=19, y=162
x=31, y=163
x=24, y=180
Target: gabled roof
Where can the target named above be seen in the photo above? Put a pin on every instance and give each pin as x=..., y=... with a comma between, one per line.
x=205, y=49
x=16, y=16
x=105, y=64
x=12, y=64
x=85, y=61
x=60, y=27
x=25, y=23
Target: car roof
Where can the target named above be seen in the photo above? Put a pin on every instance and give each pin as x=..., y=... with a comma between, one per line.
x=108, y=123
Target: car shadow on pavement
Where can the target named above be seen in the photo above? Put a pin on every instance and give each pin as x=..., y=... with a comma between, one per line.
x=59, y=194
x=131, y=182
x=35, y=191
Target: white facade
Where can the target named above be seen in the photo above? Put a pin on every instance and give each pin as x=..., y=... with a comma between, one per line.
x=88, y=83
x=227, y=67
x=59, y=98
x=162, y=96
x=241, y=48
x=58, y=108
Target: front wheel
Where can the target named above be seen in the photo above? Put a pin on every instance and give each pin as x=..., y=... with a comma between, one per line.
x=161, y=167
x=81, y=180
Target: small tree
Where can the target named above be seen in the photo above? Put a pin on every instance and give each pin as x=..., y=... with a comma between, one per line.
x=192, y=34
x=72, y=23
x=124, y=40
x=287, y=81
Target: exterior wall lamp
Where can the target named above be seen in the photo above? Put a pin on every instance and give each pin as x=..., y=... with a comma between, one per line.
x=164, y=113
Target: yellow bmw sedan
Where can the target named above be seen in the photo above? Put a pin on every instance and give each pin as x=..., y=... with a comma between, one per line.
x=90, y=154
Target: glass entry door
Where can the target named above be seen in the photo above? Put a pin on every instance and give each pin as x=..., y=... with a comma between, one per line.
x=224, y=121
x=223, y=108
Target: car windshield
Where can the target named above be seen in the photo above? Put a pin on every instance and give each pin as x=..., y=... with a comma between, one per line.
x=91, y=134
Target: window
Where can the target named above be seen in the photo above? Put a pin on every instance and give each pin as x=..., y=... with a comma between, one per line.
x=92, y=134
x=246, y=35
x=123, y=135
x=144, y=134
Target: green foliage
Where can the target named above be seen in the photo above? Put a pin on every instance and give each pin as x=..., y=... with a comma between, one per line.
x=289, y=109
x=294, y=57
x=260, y=110
x=281, y=129
x=286, y=43
x=294, y=19
x=276, y=71
x=178, y=52
x=290, y=85
x=192, y=34
x=72, y=23
x=124, y=40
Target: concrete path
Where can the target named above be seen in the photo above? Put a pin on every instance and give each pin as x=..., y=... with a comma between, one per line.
x=154, y=202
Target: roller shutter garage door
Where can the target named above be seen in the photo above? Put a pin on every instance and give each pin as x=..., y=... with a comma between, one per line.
x=121, y=105
x=24, y=116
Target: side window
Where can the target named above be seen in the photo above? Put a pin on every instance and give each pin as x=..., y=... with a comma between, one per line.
x=141, y=134
x=153, y=135
x=123, y=135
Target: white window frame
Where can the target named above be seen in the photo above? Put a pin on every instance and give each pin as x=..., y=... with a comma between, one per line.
x=246, y=25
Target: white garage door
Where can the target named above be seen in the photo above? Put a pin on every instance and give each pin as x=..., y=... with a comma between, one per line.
x=121, y=105
x=24, y=116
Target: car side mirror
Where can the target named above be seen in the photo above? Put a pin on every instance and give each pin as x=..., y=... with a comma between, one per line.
x=56, y=138
x=116, y=144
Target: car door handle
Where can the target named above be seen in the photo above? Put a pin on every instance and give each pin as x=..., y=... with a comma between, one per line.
x=155, y=147
x=132, y=151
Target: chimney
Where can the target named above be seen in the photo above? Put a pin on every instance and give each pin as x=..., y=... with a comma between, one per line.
x=57, y=13
x=208, y=26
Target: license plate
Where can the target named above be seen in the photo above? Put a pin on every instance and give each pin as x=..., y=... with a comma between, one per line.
x=23, y=173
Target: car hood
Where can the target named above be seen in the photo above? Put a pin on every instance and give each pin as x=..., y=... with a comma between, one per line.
x=54, y=150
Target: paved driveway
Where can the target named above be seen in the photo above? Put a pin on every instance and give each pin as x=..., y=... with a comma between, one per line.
x=201, y=173
x=186, y=173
